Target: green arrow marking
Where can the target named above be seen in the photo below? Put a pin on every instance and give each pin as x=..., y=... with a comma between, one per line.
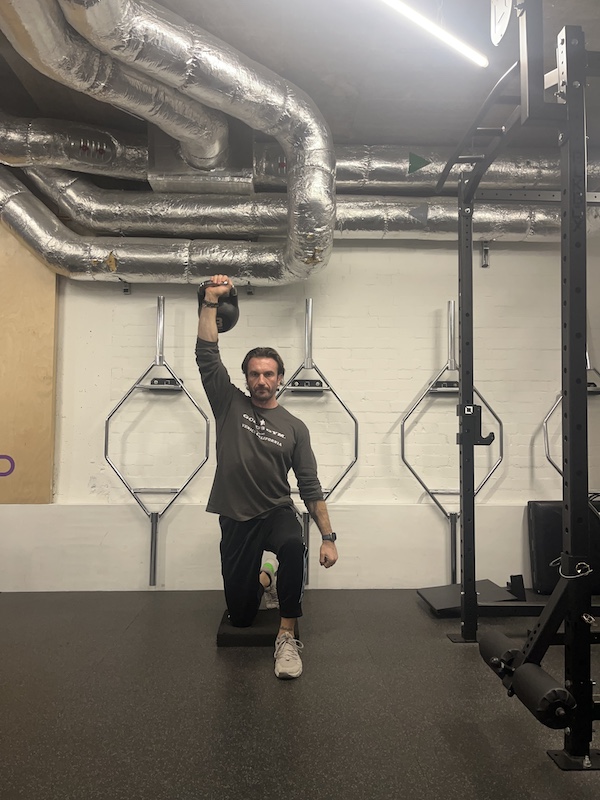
x=416, y=163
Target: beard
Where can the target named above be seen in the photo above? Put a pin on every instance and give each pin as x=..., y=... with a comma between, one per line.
x=262, y=394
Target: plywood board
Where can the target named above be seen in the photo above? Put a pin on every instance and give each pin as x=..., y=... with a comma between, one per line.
x=27, y=374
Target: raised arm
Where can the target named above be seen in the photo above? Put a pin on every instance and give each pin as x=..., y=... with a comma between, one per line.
x=207, y=312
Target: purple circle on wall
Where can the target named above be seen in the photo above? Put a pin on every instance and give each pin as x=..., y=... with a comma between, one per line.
x=11, y=468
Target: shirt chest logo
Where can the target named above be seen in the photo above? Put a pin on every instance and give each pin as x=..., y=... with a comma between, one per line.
x=259, y=428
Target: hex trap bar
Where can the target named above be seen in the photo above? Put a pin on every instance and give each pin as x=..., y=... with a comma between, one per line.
x=172, y=384
x=437, y=386
x=316, y=387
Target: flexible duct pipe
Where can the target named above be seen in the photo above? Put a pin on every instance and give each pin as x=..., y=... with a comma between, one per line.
x=37, y=30
x=160, y=213
x=185, y=57
x=394, y=169
x=147, y=213
x=26, y=142
x=133, y=260
x=73, y=146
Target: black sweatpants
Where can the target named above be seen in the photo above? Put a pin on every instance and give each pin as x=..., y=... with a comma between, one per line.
x=242, y=546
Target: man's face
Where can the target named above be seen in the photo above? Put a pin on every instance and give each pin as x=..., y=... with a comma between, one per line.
x=262, y=379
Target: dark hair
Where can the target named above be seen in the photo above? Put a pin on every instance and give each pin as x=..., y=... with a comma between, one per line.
x=263, y=352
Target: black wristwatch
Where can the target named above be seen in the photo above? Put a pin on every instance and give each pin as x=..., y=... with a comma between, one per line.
x=329, y=537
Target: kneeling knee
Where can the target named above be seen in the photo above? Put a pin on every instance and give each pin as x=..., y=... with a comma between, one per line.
x=240, y=622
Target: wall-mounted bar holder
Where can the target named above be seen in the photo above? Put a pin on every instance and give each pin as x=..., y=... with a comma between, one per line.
x=443, y=383
x=160, y=385
x=317, y=386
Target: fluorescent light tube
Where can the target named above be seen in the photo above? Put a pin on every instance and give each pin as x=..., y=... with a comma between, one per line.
x=439, y=33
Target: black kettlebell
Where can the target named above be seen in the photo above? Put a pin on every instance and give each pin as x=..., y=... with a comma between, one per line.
x=228, y=312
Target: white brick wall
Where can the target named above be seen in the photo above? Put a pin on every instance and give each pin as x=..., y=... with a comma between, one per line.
x=379, y=335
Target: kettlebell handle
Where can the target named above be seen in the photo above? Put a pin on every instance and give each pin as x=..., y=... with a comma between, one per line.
x=232, y=291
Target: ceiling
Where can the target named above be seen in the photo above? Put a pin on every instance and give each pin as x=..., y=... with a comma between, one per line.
x=376, y=78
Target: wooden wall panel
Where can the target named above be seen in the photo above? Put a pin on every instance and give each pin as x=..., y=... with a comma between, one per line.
x=27, y=374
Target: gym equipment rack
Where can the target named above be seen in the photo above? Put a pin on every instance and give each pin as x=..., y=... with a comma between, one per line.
x=572, y=707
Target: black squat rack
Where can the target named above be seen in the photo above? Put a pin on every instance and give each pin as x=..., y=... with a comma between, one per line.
x=570, y=707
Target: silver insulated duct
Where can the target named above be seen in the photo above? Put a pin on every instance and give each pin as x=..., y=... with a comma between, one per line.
x=415, y=170
x=131, y=260
x=101, y=211
x=170, y=50
x=38, y=31
x=72, y=145
x=93, y=247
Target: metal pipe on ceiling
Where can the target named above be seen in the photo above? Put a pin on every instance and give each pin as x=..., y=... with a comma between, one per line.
x=371, y=168
x=72, y=145
x=131, y=213
x=183, y=56
x=412, y=169
x=38, y=32
x=135, y=260
x=374, y=170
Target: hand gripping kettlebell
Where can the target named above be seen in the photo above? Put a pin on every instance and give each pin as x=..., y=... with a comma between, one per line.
x=228, y=312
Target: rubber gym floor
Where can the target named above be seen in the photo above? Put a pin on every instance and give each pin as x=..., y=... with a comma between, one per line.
x=124, y=696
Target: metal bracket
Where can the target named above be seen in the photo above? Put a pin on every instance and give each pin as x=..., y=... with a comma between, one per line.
x=475, y=412
x=485, y=255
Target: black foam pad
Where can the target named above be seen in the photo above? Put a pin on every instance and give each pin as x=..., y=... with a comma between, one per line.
x=496, y=649
x=548, y=701
x=261, y=633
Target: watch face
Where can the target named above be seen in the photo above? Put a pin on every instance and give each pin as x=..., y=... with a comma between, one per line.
x=501, y=13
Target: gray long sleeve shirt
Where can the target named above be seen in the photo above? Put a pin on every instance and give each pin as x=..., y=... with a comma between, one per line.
x=256, y=447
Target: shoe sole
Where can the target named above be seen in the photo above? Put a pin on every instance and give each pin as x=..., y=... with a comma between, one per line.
x=285, y=676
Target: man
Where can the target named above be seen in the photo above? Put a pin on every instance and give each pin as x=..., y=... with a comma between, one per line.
x=258, y=442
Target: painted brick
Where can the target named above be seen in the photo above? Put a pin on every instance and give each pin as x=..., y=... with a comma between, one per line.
x=379, y=336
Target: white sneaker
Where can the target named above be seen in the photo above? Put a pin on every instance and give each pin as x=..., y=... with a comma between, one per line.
x=269, y=567
x=288, y=663
x=271, y=598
